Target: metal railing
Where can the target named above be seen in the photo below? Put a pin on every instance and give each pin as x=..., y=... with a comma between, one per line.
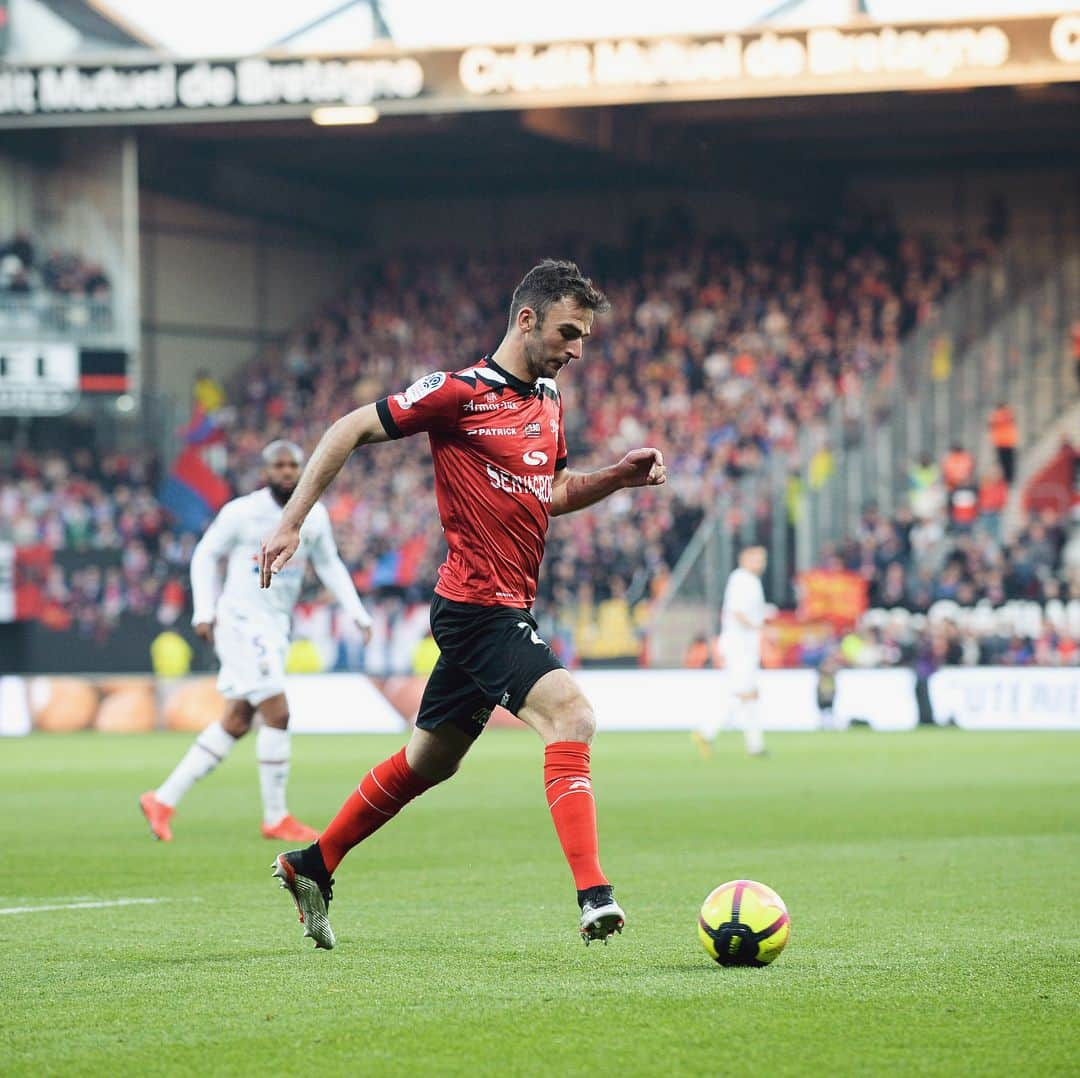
x=43, y=314
x=1002, y=337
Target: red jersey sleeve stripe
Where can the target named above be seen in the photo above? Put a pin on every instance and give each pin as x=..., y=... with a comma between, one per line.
x=393, y=431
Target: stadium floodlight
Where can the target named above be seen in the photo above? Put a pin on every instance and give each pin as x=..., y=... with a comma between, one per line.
x=339, y=115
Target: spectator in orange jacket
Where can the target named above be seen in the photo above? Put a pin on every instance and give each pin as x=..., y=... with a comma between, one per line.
x=958, y=467
x=1004, y=437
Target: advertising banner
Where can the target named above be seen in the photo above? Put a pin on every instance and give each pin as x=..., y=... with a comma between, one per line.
x=1007, y=698
x=138, y=86
x=682, y=699
x=318, y=704
x=883, y=698
x=975, y=698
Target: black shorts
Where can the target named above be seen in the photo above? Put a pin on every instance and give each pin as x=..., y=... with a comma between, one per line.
x=490, y=655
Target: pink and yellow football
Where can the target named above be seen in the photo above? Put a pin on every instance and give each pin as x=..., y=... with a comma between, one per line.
x=743, y=923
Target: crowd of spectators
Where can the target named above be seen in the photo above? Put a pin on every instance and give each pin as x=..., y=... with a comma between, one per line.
x=111, y=549
x=719, y=351
x=24, y=270
x=946, y=586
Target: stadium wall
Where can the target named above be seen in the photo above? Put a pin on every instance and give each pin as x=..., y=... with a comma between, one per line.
x=953, y=201
x=943, y=200
x=972, y=698
x=16, y=196
x=217, y=286
x=535, y=220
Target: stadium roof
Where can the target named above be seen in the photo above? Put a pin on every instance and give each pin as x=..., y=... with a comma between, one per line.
x=699, y=143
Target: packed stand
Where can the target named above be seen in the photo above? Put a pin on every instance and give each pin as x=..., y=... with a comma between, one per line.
x=106, y=544
x=716, y=350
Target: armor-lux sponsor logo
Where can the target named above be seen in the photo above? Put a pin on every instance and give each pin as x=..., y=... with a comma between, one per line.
x=498, y=406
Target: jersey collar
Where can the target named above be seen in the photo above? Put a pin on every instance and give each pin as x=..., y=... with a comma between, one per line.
x=526, y=389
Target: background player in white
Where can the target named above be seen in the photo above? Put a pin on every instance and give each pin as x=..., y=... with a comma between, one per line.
x=743, y=618
x=249, y=628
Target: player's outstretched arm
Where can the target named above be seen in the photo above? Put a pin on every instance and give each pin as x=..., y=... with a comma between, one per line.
x=360, y=427
x=578, y=490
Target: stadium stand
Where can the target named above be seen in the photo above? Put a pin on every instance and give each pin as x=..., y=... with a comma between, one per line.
x=719, y=351
x=53, y=290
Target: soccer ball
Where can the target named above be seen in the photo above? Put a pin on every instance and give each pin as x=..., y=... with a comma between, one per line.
x=743, y=923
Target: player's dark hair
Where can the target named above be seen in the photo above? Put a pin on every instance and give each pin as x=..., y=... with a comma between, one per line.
x=551, y=281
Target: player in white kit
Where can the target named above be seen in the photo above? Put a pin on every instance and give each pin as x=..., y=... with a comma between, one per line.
x=249, y=628
x=743, y=618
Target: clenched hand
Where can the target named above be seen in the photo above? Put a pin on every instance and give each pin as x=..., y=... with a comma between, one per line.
x=643, y=468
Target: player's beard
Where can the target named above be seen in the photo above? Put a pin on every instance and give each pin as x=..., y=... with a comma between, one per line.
x=536, y=358
x=281, y=494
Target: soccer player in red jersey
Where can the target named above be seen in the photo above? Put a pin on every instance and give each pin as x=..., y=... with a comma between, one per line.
x=496, y=436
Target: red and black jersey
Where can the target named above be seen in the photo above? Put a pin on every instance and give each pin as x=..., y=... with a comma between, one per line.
x=497, y=443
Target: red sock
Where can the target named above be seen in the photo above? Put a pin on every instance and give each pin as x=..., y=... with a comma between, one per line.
x=570, y=798
x=383, y=793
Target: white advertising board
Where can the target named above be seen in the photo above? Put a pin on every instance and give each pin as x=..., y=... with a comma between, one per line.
x=339, y=704
x=14, y=708
x=883, y=698
x=975, y=698
x=1007, y=698
x=681, y=699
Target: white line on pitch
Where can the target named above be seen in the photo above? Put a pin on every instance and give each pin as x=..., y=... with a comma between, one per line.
x=84, y=905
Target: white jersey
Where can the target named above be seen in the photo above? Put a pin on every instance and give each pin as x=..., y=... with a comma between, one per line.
x=237, y=534
x=743, y=595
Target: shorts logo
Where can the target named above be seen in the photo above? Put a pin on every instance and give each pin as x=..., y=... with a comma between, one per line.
x=481, y=717
x=505, y=699
x=535, y=457
x=532, y=633
x=532, y=430
x=420, y=389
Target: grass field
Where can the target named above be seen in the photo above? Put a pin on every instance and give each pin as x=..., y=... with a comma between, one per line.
x=933, y=881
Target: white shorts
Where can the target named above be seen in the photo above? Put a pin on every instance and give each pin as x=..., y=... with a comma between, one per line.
x=252, y=653
x=743, y=667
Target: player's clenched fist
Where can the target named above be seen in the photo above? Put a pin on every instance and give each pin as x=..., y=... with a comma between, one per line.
x=643, y=468
x=276, y=551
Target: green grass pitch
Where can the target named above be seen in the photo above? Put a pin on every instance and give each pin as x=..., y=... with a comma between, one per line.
x=933, y=881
